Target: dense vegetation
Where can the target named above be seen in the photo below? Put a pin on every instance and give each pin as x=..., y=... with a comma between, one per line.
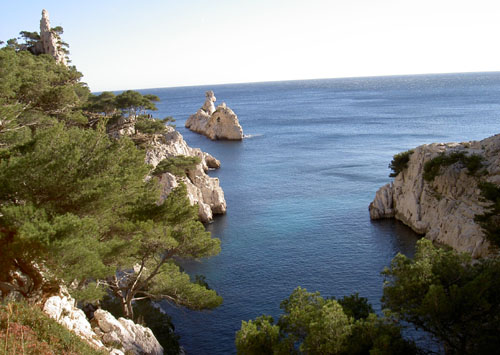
x=178, y=165
x=432, y=168
x=448, y=295
x=490, y=220
x=311, y=324
x=75, y=205
x=399, y=162
x=25, y=329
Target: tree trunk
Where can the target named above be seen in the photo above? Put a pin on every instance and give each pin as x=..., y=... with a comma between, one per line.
x=127, y=308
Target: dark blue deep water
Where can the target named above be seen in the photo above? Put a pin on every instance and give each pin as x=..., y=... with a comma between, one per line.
x=298, y=189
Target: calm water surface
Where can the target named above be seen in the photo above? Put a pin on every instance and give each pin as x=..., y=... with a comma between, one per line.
x=298, y=189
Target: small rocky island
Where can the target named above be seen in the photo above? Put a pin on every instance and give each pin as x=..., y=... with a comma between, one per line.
x=447, y=192
x=215, y=123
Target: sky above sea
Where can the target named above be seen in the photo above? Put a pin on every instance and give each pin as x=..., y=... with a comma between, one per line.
x=131, y=45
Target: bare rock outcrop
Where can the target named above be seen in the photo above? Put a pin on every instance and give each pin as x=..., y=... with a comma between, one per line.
x=133, y=337
x=443, y=209
x=107, y=332
x=202, y=189
x=215, y=123
x=49, y=42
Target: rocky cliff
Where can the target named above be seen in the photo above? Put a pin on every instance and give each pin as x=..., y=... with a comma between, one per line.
x=49, y=42
x=202, y=189
x=105, y=331
x=215, y=123
x=444, y=207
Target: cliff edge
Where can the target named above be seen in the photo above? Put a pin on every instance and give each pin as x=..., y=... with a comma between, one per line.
x=443, y=205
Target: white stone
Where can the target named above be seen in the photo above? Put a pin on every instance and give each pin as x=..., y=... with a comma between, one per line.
x=48, y=43
x=62, y=308
x=443, y=209
x=201, y=188
x=221, y=123
x=210, y=99
x=133, y=337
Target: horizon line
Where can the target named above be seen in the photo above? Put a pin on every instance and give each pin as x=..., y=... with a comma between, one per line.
x=307, y=79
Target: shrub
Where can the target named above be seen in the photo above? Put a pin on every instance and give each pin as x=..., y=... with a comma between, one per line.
x=399, y=162
x=490, y=220
x=178, y=165
x=149, y=126
x=432, y=168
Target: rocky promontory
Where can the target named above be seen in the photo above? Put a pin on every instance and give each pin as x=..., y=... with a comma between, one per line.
x=438, y=193
x=215, y=123
x=201, y=188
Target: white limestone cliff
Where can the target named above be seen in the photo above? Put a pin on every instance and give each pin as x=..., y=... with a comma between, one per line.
x=107, y=333
x=219, y=123
x=443, y=209
x=49, y=42
x=202, y=189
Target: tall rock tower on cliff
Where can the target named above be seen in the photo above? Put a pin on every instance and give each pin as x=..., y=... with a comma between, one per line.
x=50, y=43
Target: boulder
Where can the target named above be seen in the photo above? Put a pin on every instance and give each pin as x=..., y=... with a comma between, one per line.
x=132, y=337
x=115, y=335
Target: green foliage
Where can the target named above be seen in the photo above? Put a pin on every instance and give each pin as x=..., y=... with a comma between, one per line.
x=25, y=329
x=399, y=162
x=448, y=295
x=149, y=125
x=490, y=220
x=355, y=306
x=133, y=103
x=311, y=324
x=103, y=103
x=35, y=92
x=71, y=212
x=177, y=165
x=432, y=168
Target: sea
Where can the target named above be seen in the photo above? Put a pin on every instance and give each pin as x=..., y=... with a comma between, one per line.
x=298, y=186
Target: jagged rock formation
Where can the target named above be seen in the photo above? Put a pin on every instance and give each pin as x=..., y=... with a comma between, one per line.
x=220, y=123
x=133, y=337
x=107, y=331
x=202, y=189
x=443, y=209
x=49, y=42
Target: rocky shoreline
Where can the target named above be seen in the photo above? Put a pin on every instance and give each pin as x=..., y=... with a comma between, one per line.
x=443, y=209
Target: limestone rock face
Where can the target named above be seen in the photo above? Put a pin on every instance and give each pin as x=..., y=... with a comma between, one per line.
x=133, y=337
x=202, y=189
x=443, y=209
x=220, y=123
x=49, y=41
x=62, y=308
x=210, y=99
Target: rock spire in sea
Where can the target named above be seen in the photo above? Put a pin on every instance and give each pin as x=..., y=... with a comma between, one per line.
x=215, y=123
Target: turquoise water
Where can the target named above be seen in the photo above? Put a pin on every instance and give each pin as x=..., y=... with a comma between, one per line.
x=298, y=189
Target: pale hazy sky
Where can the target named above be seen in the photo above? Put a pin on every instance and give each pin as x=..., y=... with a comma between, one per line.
x=148, y=44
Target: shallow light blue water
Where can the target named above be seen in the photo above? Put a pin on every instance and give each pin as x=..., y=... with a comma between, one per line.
x=298, y=190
